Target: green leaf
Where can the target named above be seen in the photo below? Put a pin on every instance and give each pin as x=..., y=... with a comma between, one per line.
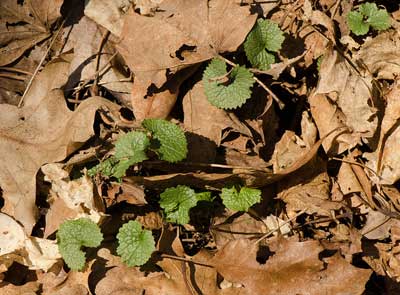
x=106, y=167
x=357, y=24
x=240, y=201
x=368, y=15
x=265, y=36
x=130, y=149
x=379, y=19
x=227, y=96
x=177, y=202
x=72, y=235
x=173, y=144
x=132, y=145
x=135, y=245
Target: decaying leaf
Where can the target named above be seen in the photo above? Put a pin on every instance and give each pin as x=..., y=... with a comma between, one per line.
x=24, y=25
x=76, y=196
x=294, y=268
x=192, y=32
x=16, y=246
x=343, y=98
x=34, y=136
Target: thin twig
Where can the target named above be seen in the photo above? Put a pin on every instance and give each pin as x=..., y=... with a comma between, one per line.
x=185, y=260
x=28, y=87
x=11, y=76
x=279, y=227
x=19, y=71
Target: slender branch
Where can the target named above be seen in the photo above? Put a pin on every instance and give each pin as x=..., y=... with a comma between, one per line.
x=28, y=87
x=185, y=260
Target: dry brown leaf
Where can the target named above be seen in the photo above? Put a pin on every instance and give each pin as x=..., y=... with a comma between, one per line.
x=84, y=62
x=30, y=25
x=294, y=268
x=381, y=55
x=385, y=159
x=189, y=32
x=343, y=97
x=242, y=227
x=30, y=137
x=27, y=289
x=42, y=120
x=207, y=121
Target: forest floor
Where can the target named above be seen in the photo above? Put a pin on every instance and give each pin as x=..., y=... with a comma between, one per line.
x=199, y=147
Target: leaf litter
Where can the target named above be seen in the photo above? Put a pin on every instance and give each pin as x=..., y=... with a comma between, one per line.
x=199, y=147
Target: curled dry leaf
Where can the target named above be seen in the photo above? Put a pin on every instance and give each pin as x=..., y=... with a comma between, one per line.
x=294, y=268
x=15, y=245
x=23, y=26
x=189, y=32
x=70, y=199
x=343, y=98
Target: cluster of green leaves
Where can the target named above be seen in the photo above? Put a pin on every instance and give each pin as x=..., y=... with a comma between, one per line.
x=177, y=201
x=135, y=244
x=231, y=89
x=130, y=148
x=368, y=15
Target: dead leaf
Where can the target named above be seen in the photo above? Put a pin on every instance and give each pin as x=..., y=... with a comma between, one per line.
x=208, y=122
x=191, y=31
x=385, y=159
x=31, y=24
x=294, y=268
x=32, y=137
x=16, y=246
x=29, y=288
x=75, y=198
x=343, y=97
x=381, y=55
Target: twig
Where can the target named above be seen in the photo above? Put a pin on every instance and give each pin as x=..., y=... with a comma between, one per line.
x=11, y=76
x=211, y=165
x=28, y=87
x=279, y=227
x=19, y=71
x=101, y=45
x=185, y=260
x=278, y=101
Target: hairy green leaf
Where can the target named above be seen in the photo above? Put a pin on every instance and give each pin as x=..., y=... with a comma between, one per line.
x=177, y=202
x=130, y=149
x=368, y=15
x=266, y=36
x=72, y=235
x=240, y=201
x=135, y=245
x=173, y=144
x=229, y=96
